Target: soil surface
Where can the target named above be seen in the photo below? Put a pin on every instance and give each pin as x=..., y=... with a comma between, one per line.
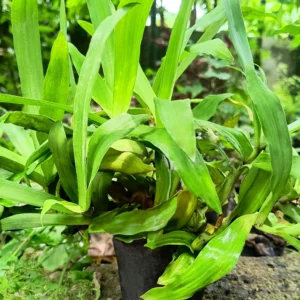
x=260, y=278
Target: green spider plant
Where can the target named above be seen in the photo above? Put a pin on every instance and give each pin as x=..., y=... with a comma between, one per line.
x=151, y=171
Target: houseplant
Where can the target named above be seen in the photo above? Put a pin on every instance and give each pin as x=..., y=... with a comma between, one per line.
x=149, y=172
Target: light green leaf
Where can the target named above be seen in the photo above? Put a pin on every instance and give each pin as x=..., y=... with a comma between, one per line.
x=129, y=31
x=263, y=162
x=163, y=179
x=20, y=138
x=166, y=75
x=266, y=104
x=295, y=126
x=210, y=265
x=58, y=144
x=28, y=101
x=124, y=162
x=290, y=210
x=127, y=145
x=208, y=107
x=87, y=26
x=56, y=82
x=215, y=47
x=99, y=10
x=105, y=136
x=19, y=193
x=24, y=221
x=175, y=268
x=136, y=221
x=87, y=79
x=101, y=92
x=25, y=28
x=175, y=238
x=15, y=163
x=49, y=204
x=177, y=118
x=195, y=175
x=234, y=136
x=292, y=29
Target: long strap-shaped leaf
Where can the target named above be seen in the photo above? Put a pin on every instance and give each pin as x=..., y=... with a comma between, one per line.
x=19, y=193
x=128, y=38
x=166, y=75
x=266, y=104
x=56, y=82
x=87, y=78
x=216, y=259
x=23, y=221
x=99, y=10
x=195, y=175
x=27, y=46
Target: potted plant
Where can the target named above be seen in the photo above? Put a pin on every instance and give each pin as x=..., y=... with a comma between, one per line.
x=148, y=174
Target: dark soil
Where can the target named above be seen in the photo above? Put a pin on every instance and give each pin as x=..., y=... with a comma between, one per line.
x=260, y=278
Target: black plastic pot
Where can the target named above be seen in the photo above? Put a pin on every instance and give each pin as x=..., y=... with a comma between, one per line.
x=140, y=268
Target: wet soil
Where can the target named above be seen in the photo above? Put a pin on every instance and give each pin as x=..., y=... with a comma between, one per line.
x=259, y=278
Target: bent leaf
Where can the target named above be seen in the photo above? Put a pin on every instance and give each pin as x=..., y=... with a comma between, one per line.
x=87, y=78
x=58, y=144
x=124, y=162
x=195, y=175
x=136, y=221
x=23, y=221
x=208, y=107
x=175, y=238
x=215, y=47
x=171, y=113
x=210, y=265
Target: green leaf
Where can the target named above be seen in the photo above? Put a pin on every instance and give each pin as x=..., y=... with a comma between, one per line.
x=19, y=193
x=127, y=145
x=129, y=31
x=144, y=92
x=195, y=175
x=99, y=10
x=290, y=210
x=234, y=136
x=87, y=78
x=105, y=136
x=87, y=26
x=263, y=162
x=174, y=238
x=136, y=221
x=101, y=92
x=27, y=101
x=295, y=126
x=25, y=28
x=210, y=23
x=175, y=268
x=177, y=118
x=208, y=107
x=186, y=206
x=15, y=163
x=254, y=191
x=163, y=179
x=63, y=17
x=20, y=138
x=215, y=47
x=49, y=204
x=278, y=229
x=210, y=265
x=266, y=104
x=124, y=162
x=166, y=75
x=292, y=29
x=56, y=82
x=24, y=221
x=58, y=144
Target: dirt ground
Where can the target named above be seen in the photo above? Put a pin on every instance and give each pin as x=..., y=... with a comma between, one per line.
x=259, y=278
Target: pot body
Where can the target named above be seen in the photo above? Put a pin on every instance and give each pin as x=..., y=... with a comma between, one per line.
x=140, y=267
